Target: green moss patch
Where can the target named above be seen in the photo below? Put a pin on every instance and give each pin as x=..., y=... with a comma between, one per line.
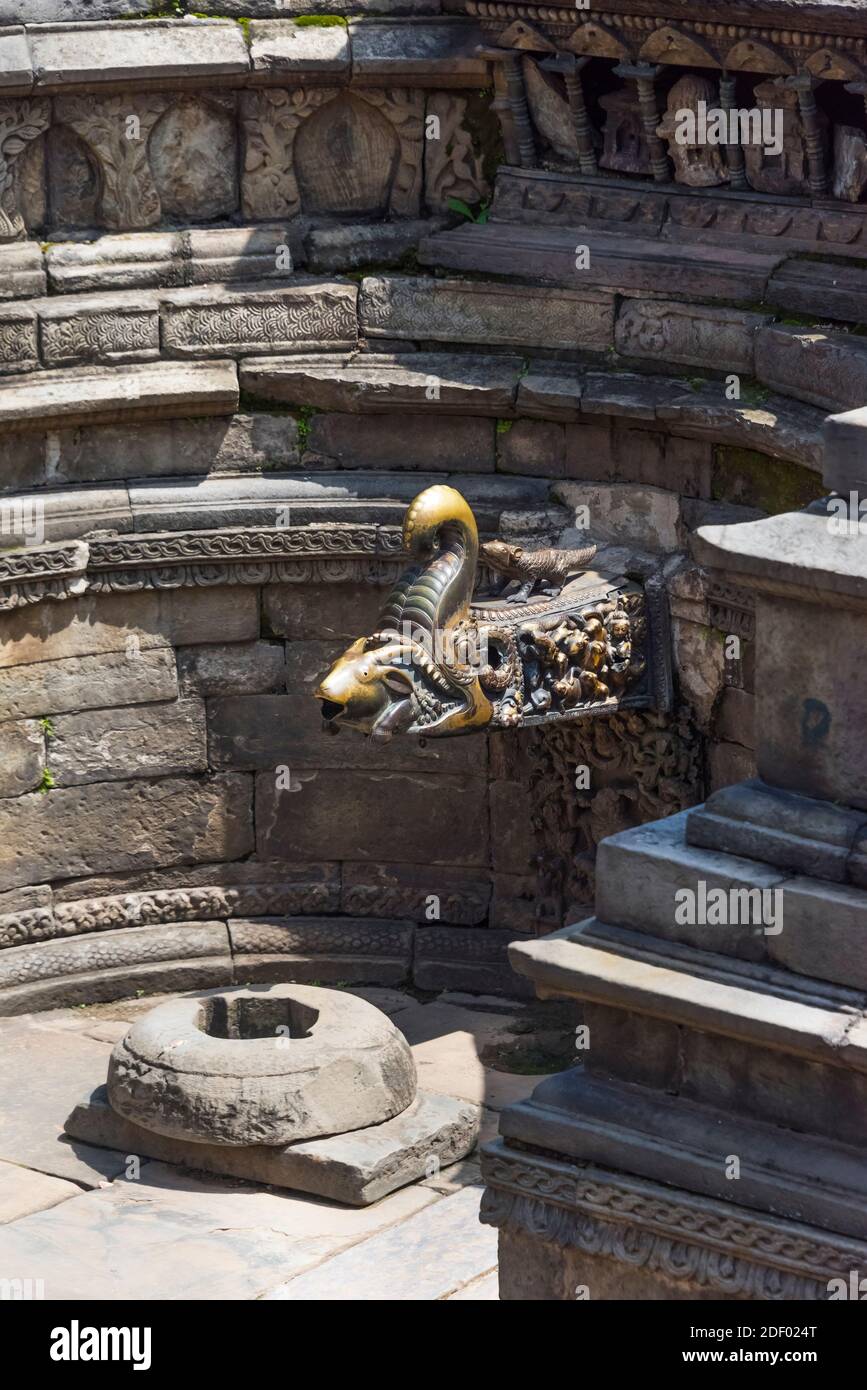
x=752, y=479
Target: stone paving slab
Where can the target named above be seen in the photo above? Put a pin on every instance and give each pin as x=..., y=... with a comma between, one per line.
x=23, y=1191
x=484, y=1290
x=447, y=1043
x=172, y=1235
x=32, y=1116
x=436, y=1252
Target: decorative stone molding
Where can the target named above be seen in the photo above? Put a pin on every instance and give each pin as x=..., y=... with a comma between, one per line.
x=687, y=1238
x=20, y=123
x=452, y=169
x=128, y=198
x=271, y=119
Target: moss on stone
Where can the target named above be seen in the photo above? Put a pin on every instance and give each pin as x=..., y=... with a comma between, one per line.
x=321, y=21
x=752, y=479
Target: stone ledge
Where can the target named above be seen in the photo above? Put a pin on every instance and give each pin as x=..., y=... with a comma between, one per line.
x=562, y=965
x=22, y=270
x=107, y=395
x=383, y=384
x=825, y=368
x=16, y=68
x=183, y=52
x=616, y=261
x=425, y=52
x=168, y=260
x=281, y=51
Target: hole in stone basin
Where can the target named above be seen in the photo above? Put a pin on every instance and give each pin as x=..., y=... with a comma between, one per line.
x=257, y=1018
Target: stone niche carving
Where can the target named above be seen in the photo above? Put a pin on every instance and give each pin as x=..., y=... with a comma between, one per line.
x=624, y=148
x=192, y=153
x=850, y=163
x=345, y=158
x=696, y=163
x=327, y=151
x=786, y=172
x=21, y=123
x=452, y=169
x=73, y=179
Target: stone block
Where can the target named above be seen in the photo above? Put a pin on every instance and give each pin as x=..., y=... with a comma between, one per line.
x=131, y=623
x=311, y=317
x=282, y=51
x=646, y=517
x=445, y=383
x=466, y=311
x=792, y=832
x=807, y=720
x=845, y=459
x=107, y=395
x=699, y=658
x=734, y=720
x=87, y=54
x=824, y=932
x=513, y=844
x=696, y=335
x=73, y=831
x=204, y=1238
x=244, y=668
x=826, y=368
x=285, y=731
x=355, y=1168
x=322, y=950
x=832, y=291
x=537, y=447
x=22, y=756
x=111, y=745
x=113, y=965
x=240, y=443
x=322, y=611
x=639, y=873
x=431, y=52
x=464, y=445
x=106, y=329
x=729, y=763
x=379, y=243
x=589, y=451
x=86, y=682
x=23, y=1191
x=19, y=350
x=552, y=391
x=420, y=894
x=169, y=260
x=345, y=811
x=465, y=958
x=22, y=270
x=16, y=69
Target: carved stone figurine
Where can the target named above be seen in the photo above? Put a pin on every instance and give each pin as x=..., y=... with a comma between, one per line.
x=696, y=163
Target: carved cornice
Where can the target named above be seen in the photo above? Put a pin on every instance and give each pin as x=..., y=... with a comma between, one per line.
x=757, y=43
x=334, y=554
x=705, y=1243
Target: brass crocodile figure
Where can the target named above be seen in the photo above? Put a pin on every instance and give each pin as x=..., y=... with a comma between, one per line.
x=530, y=568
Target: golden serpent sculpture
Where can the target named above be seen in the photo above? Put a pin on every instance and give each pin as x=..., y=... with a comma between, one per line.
x=440, y=663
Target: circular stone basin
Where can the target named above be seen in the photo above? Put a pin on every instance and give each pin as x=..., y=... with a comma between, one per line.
x=269, y=1066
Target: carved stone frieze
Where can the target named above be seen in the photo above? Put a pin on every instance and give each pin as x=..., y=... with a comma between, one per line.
x=116, y=130
x=696, y=1240
x=597, y=777
x=271, y=121
x=452, y=169
x=20, y=123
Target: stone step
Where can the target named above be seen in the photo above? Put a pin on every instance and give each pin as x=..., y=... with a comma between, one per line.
x=672, y=1140
x=169, y=260
x=447, y=383
x=109, y=395
x=694, y=994
x=616, y=261
x=827, y=291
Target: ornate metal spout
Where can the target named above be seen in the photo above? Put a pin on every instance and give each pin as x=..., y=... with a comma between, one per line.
x=556, y=641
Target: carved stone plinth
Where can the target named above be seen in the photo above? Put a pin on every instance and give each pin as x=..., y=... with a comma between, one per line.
x=711, y=1141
